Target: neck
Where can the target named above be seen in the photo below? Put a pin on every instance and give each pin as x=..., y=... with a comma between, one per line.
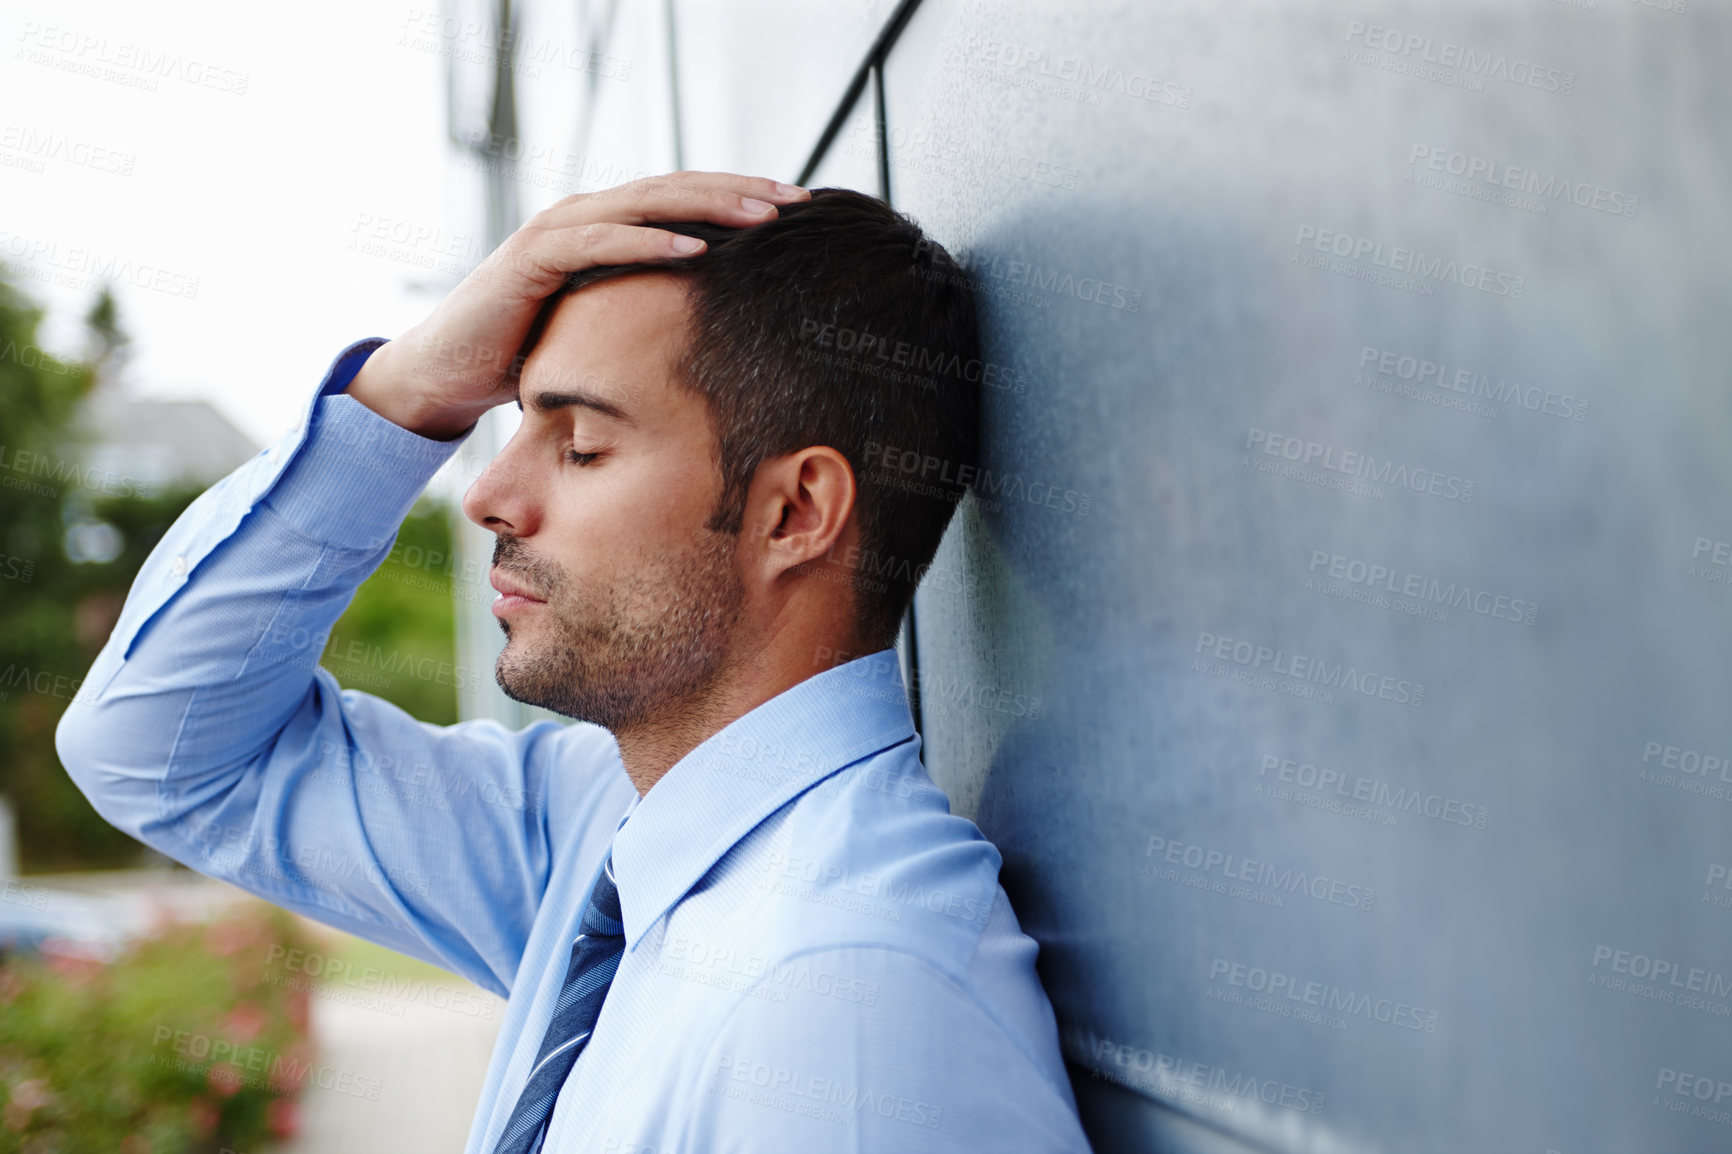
x=651, y=749
x=656, y=745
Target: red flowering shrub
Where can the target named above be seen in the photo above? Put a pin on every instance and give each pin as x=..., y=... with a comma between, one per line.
x=180, y=1044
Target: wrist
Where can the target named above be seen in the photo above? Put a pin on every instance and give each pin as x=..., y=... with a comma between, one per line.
x=383, y=386
x=354, y=475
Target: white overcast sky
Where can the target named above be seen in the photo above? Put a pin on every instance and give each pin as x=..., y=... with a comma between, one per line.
x=256, y=195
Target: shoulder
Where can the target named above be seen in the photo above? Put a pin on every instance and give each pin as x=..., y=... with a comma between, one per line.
x=880, y=1045
x=873, y=855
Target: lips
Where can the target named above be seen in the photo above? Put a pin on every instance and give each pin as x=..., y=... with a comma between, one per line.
x=502, y=582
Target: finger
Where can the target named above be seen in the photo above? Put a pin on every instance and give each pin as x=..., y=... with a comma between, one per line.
x=542, y=260
x=720, y=197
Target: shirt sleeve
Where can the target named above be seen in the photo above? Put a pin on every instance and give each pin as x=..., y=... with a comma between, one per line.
x=206, y=729
x=875, y=1050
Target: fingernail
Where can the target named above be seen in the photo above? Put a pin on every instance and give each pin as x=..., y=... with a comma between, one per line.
x=788, y=189
x=687, y=244
x=753, y=204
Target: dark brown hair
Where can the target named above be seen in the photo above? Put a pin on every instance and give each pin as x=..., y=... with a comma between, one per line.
x=839, y=323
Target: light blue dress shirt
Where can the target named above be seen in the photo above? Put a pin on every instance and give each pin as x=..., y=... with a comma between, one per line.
x=818, y=954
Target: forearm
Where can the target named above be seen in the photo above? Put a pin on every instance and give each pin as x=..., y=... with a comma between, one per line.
x=235, y=600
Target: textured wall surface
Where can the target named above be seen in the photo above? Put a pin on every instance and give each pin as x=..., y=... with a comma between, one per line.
x=1337, y=647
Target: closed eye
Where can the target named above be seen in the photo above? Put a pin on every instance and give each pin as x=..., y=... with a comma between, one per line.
x=578, y=458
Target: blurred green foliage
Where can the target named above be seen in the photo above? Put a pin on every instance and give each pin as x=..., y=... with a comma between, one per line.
x=396, y=640
x=398, y=637
x=181, y=1045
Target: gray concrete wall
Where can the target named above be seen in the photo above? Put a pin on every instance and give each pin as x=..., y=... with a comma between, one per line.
x=1337, y=649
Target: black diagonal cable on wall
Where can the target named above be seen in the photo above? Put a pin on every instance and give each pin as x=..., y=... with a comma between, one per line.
x=875, y=55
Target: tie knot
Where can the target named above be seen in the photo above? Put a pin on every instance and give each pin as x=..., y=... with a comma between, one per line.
x=602, y=916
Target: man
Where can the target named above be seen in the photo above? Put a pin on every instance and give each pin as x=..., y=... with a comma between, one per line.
x=729, y=909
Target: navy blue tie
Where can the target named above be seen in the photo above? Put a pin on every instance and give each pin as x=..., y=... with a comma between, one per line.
x=594, y=959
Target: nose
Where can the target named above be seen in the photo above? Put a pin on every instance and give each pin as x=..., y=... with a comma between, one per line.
x=500, y=500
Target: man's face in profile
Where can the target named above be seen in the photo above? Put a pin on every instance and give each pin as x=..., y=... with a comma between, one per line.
x=620, y=602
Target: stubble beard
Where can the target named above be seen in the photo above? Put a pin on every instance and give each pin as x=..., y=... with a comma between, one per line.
x=628, y=656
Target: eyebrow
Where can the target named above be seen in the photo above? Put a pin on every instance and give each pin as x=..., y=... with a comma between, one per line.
x=551, y=402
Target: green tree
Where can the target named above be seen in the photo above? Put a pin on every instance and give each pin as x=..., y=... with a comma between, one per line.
x=46, y=615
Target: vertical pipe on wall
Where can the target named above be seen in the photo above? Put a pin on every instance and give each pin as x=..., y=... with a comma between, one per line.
x=674, y=84
x=477, y=638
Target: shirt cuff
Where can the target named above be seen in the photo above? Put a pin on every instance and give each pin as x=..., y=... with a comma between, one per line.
x=355, y=474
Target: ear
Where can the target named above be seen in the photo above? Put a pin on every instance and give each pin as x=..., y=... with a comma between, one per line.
x=798, y=506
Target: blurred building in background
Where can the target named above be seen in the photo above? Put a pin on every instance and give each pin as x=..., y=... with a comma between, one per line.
x=163, y=443
x=1335, y=643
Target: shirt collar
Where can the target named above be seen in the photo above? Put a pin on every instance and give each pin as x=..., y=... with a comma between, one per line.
x=720, y=791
